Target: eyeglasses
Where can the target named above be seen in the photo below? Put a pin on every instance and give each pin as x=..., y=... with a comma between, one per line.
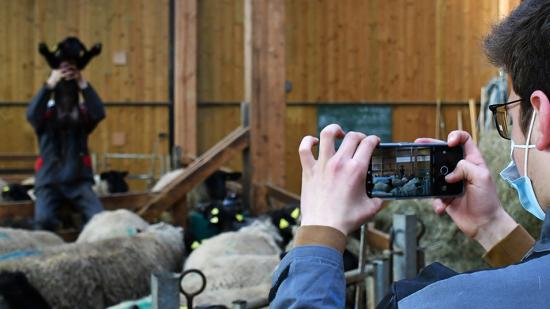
x=503, y=121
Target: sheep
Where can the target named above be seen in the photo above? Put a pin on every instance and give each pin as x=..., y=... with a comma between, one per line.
x=110, y=182
x=237, y=265
x=111, y=224
x=214, y=188
x=19, y=239
x=101, y=273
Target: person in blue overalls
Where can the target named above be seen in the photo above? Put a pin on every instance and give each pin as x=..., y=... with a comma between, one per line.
x=62, y=124
x=334, y=202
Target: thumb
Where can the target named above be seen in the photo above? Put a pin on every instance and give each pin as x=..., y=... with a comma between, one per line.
x=373, y=206
x=465, y=170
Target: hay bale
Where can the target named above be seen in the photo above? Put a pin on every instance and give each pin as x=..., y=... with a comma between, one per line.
x=443, y=241
x=237, y=265
x=102, y=273
x=18, y=239
x=112, y=224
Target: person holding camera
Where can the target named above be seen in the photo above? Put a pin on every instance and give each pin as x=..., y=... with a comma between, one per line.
x=64, y=168
x=334, y=201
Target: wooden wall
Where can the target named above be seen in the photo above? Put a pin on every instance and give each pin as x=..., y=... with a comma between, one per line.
x=137, y=28
x=407, y=53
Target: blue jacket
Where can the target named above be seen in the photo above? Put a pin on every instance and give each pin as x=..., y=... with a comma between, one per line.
x=313, y=277
x=64, y=156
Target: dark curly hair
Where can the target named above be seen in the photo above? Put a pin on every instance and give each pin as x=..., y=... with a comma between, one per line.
x=520, y=44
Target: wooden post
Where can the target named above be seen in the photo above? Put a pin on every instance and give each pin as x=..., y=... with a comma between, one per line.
x=185, y=75
x=439, y=64
x=265, y=75
x=473, y=119
x=459, y=124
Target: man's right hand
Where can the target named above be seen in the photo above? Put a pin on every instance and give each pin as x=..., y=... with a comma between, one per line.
x=334, y=185
x=478, y=213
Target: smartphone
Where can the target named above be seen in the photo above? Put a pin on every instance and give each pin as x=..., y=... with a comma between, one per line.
x=410, y=170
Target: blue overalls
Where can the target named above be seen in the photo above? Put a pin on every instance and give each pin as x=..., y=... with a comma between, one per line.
x=64, y=168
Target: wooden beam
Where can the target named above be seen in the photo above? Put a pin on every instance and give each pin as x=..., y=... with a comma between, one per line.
x=197, y=172
x=377, y=239
x=473, y=119
x=266, y=70
x=17, y=157
x=130, y=201
x=282, y=195
x=185, y=75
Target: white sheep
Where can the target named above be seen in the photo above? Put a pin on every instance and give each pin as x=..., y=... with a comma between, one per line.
x=237, y=265
x=19, y=239
x=102, y=273
x=111, y=224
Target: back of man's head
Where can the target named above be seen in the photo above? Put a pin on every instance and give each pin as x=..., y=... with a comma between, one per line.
x=521, y=45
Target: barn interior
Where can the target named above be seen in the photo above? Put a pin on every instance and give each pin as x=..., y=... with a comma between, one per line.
x=196, y=163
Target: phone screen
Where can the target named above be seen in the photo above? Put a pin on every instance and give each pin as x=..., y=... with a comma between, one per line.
x=413, y=171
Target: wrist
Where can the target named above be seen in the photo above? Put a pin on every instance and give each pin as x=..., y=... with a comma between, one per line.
x=495, y=230
x=50, y=83
x=318, y=235
x=82, y=83
x=333, y=225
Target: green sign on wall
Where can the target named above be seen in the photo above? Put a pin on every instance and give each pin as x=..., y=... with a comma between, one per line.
x=369, y=119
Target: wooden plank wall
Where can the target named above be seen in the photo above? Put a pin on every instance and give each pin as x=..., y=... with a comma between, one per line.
x=382, y=51
x=220, y=77
x=138, y=28
x=385, y=51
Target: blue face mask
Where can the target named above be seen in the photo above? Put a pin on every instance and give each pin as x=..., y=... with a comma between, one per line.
x=523, y=184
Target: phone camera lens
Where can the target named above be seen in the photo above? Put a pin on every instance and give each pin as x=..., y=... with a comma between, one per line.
x=444, y=170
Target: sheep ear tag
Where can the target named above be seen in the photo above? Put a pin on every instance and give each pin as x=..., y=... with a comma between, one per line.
x=283, y=224
x=195, y=245
x=295, y=213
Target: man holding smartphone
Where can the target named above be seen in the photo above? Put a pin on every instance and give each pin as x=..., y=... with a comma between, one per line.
x=334, y=201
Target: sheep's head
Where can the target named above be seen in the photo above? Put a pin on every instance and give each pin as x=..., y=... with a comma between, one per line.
x=70, y=49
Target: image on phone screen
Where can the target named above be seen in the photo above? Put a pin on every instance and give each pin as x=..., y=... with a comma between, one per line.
x=412, y=170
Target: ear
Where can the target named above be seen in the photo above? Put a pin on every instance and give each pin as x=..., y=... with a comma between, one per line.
x=541, y=104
